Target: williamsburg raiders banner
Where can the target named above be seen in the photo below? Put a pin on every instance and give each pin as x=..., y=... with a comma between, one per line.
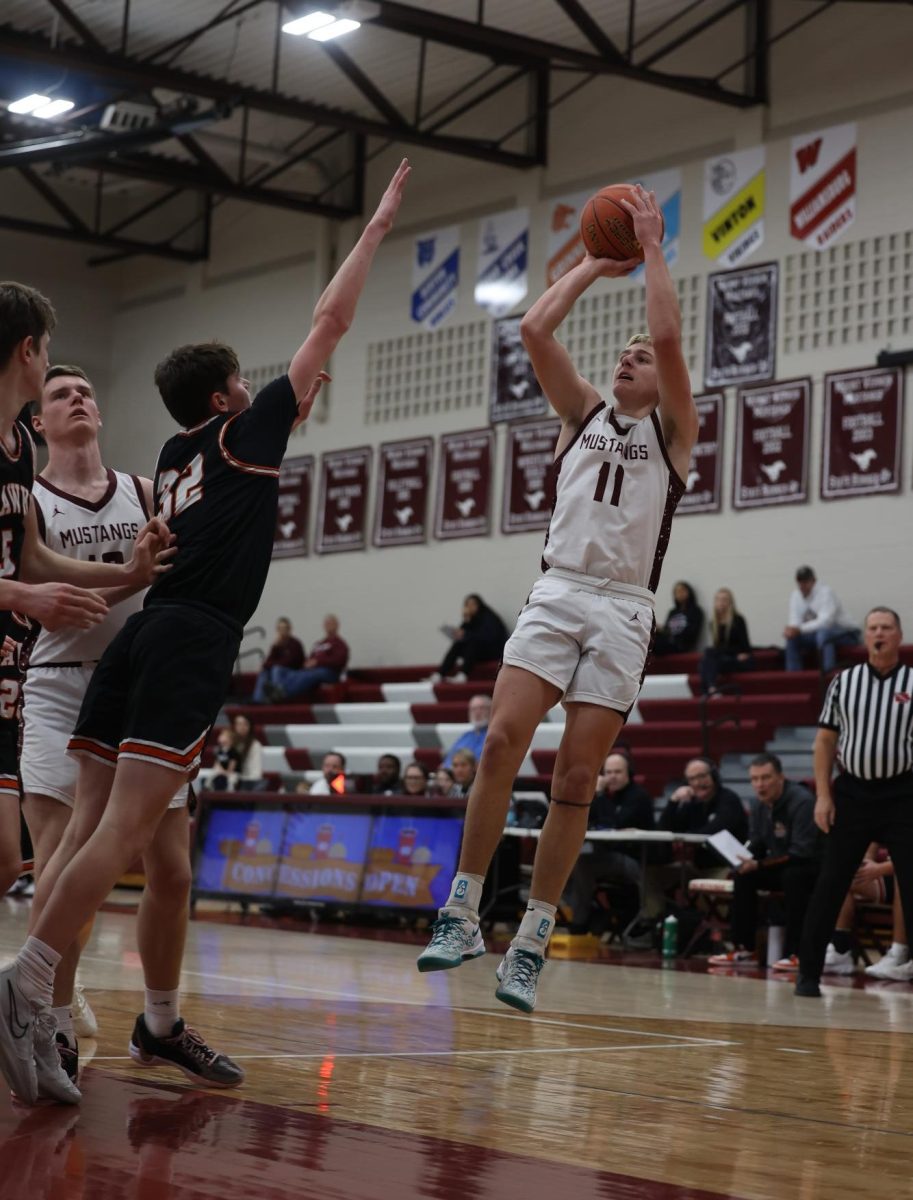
x=704, y=485
x=403, y=474
x=343, y=505
x=501, y=274
x=515, y=391
x=863, y=433
x=527, y=475
x=463, y=506
x=293, y=516
x=771, y=444
x=741, y=326
x=822, y=185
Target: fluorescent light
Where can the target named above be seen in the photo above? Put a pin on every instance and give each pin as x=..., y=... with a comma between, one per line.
x=54, y=109
x=307, y=24
x=337, y=29
x=28, y=103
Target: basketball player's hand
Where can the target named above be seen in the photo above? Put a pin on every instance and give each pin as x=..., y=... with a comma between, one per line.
x=63, y=606
x=868, y=872
x=306, y=403
x=390, y=201
x=610, y=268
x=153, y=547
x=647, y=216
x=824, y=813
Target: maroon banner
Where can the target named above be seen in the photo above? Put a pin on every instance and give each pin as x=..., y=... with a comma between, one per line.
x=530, y=454
x=342, y=510
x=704, y=485
x=403, y=475
x=771, y=444
x=515, y=391
x=464, y=485
x=863, y=432
x=294, y=513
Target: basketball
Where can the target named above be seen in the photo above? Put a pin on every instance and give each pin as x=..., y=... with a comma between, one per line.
x=606, y=227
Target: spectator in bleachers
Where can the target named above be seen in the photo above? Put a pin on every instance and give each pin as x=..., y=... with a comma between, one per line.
x=333, y=781
x=872, y=884
x=415, y=780
x=325, y=663
x=445, y=783
x=286, y=651
x=684, y=623
x=480, y=638
x=387, y=780
x=463, y=764
x=786, y=845
x=703, y=805
x=249, y=750
x=224, y=777
x=730, y=648
x=817, y=621
x=619, y=803
x=473, y=739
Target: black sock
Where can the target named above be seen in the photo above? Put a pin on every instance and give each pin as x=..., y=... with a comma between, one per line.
x=842, y=940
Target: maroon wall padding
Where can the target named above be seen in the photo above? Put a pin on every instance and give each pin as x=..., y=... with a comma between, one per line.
x=762, y=683
x=298, y=760
x=797, y=709
x=440, y=714
x=273, y=714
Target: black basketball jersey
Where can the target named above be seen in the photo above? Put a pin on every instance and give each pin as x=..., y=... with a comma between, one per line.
x=14, y=651
x=17, y=474
x=217, y=487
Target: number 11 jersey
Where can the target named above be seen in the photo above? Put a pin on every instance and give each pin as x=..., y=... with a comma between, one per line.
x=615, y=493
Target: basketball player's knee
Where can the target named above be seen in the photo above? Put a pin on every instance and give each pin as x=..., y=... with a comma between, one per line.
x=169, y=878
x=498, y=742
x=577, y=784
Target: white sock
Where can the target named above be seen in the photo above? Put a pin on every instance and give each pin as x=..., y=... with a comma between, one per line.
x=536, y=927
x=64, y=1019
x=37, y=963
x=900, y=952
x=162, y=1009
x=465, y=895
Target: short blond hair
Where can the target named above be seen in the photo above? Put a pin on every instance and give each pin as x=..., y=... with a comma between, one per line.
x=638, y=338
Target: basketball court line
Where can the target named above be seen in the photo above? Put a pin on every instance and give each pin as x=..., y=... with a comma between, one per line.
x=360, y=998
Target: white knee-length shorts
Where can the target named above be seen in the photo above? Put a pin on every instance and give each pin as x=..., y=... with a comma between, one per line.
x=52, y=698
x=589, y=637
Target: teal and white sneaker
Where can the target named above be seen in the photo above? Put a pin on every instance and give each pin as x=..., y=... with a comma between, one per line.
x=518, y=974
x=453, y=940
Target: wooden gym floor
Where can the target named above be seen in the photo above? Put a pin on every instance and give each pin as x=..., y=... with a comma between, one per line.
x=368, y=1081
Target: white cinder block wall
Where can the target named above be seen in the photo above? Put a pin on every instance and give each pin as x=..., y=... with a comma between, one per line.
x=268, y=266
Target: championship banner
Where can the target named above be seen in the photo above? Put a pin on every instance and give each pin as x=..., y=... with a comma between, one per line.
x=704, y=485
x=667, y=186
x=342, y=509
x=501, y=274
x=403, y=474
x=771, y=444
x=565, y=245
x=435, y=276
x=463, y=506
x=863, y=432
x=734, y=205
x=741, y=339
x=293, y=516
x=410, y=861
x=323, y=856
x=530, y=454
x=822, y=185
x=241, y=852
x=515, y=391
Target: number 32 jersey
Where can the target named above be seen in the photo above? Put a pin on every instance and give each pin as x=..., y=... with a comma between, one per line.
x=615, y=493
x=217, y=486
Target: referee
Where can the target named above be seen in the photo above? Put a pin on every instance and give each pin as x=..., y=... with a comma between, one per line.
x=866, y=727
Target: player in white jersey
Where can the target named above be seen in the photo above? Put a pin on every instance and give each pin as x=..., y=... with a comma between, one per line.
x=584, y=635
x=89, y=512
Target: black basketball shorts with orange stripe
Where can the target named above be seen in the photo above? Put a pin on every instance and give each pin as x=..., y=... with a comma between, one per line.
x=158, y=687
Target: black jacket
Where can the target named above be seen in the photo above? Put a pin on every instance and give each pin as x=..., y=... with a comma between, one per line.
x=734, y=638
x=631, y=808
x=788, y=828
x=682, y=628
x=724, y=811
x=487, y=630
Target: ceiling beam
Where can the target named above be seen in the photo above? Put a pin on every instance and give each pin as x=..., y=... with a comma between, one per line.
x=366, y=86
x=47, y=193
x=82, y=31
x=591, y=30
x=124, y=245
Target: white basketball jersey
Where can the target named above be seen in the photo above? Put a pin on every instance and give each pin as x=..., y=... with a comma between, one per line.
x=615, y=495
x=103, y=531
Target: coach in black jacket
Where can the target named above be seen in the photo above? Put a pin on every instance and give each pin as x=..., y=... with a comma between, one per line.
x=703, y=805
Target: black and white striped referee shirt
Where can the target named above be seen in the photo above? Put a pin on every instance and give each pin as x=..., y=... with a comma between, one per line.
x=874, y=717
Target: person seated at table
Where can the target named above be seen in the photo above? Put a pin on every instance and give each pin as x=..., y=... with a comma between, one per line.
x=387, y=780
x=415, y=779
x=730, y=648
x=681, y=630
x=703, y=805
x=619, y=803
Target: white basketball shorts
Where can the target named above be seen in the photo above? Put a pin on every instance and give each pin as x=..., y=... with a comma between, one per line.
x=52, y=698
x=588, y=637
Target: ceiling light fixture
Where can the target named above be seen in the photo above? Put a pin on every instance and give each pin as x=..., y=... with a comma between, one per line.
x=321, y=26
x=54, y=109
x=37, y=105
x=28, y=104
x=337, y=29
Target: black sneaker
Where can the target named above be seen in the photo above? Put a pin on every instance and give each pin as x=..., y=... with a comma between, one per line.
x=187, y=1051
x=806, y=985
x=68, y=1052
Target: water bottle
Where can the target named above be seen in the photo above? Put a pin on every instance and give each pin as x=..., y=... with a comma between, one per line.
x=670, y=937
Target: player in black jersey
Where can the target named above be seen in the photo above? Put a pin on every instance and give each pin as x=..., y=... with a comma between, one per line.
x=161, y=682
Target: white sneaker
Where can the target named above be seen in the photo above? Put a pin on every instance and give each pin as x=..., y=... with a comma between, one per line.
x=518, y=975
x=53, y=1081
x=900, y=972
x=887, y=962
x=836, y=963
x=85, y=1024
x=454, y=939
x=17, y=1034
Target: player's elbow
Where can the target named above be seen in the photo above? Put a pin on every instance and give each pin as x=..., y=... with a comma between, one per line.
x=532, y=332
x=331, y=325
